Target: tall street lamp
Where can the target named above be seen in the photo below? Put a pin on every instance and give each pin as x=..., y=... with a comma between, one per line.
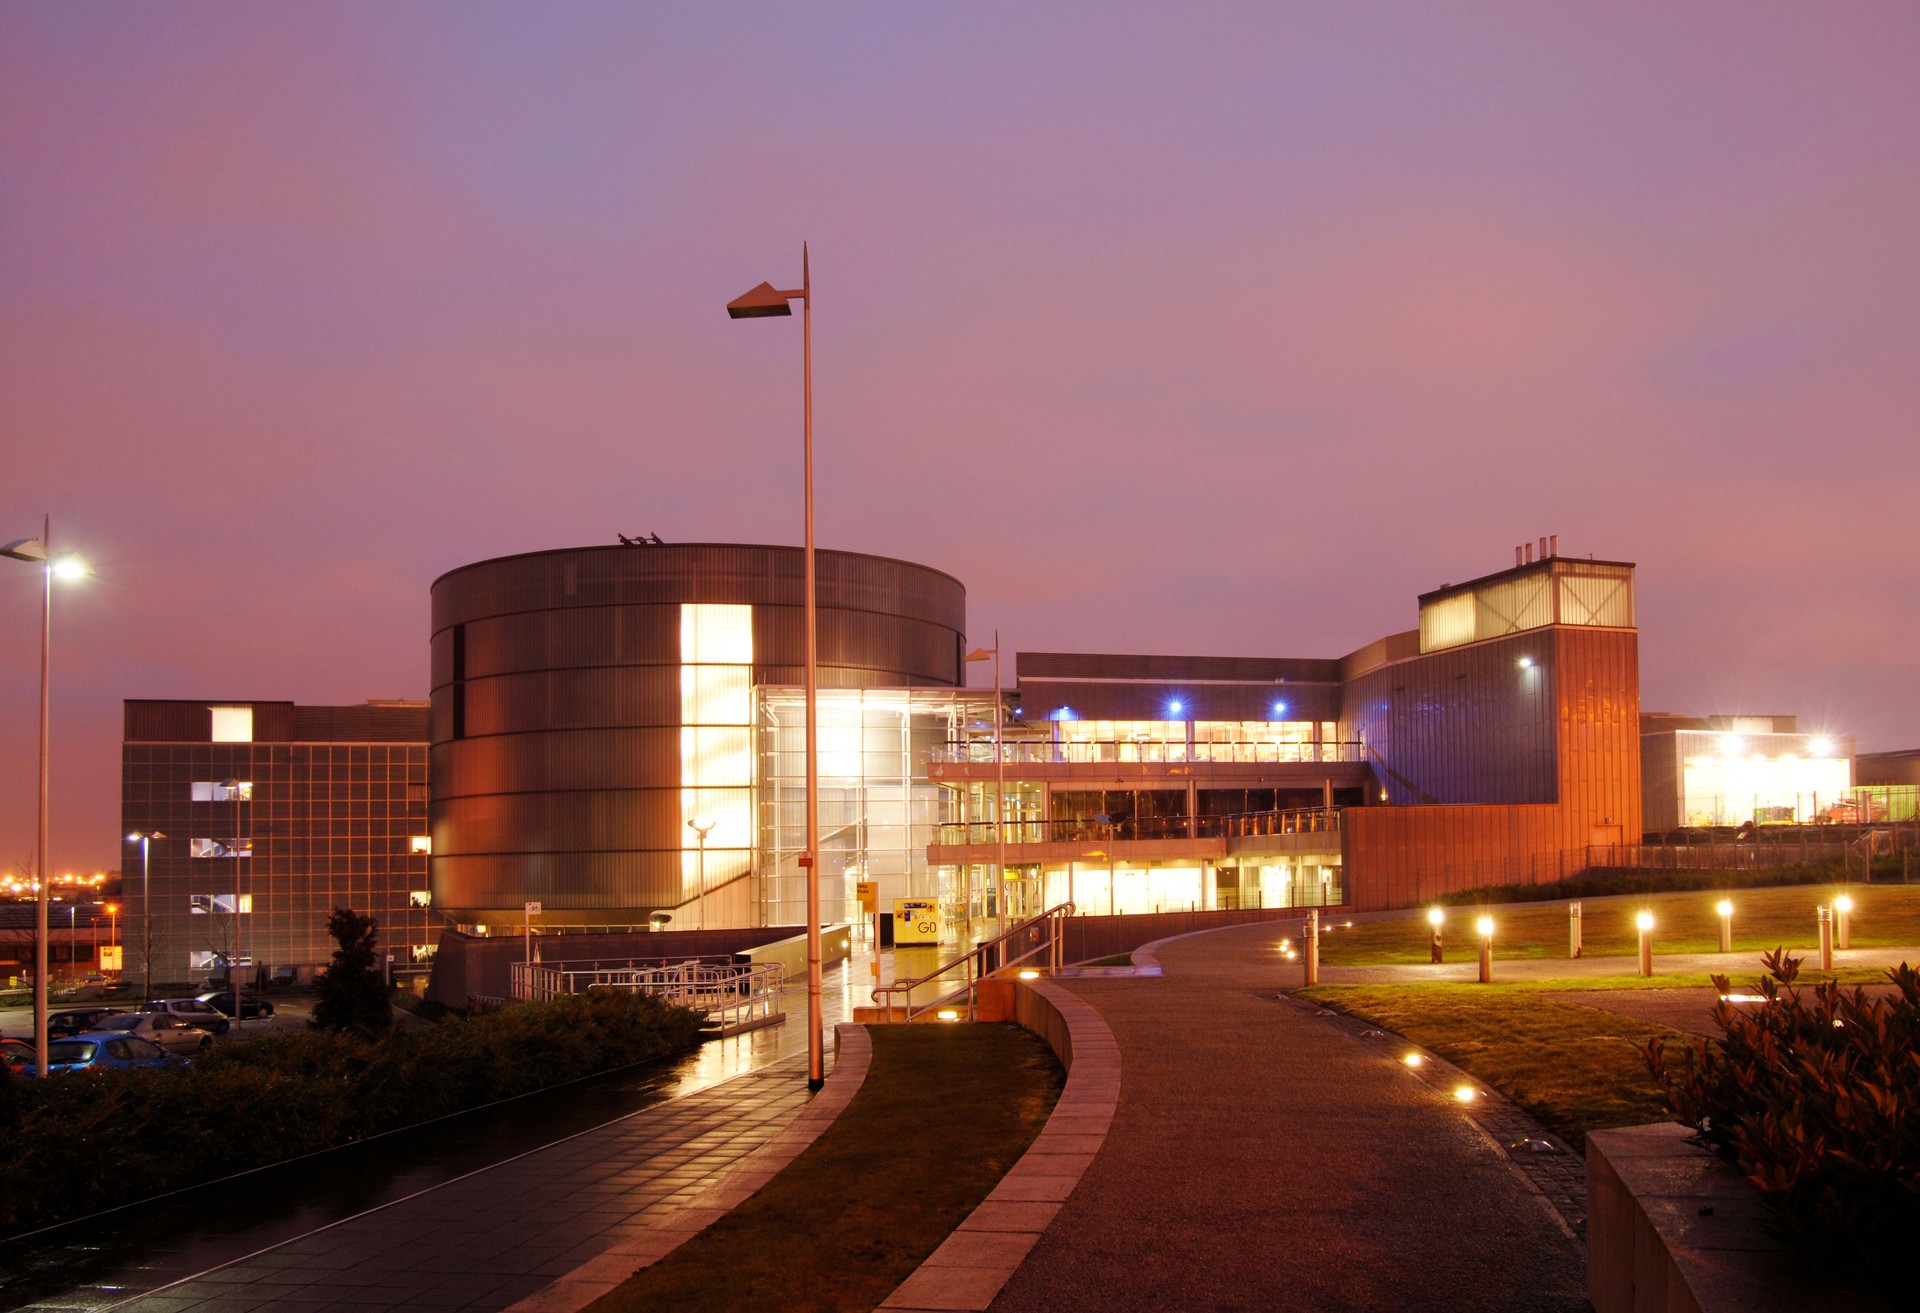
x=765, y=302
x=702, y=826
x=999, y=788
x=37, y=551
x=146, y=838
x=234, y=788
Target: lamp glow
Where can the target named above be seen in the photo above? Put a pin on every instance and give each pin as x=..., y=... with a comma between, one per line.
x=1644, y=920
x=1822, y=746
x=1526, y=663
x=1413, y=1059
x=1176, y=706
x=1485, y=926
x=1843, y=903
x=1435, y=916
x=1725, y=907
x=70, y=567
x=948, y=1014
x=1465, y=1094
x=1029, y=975
x=1279, y=710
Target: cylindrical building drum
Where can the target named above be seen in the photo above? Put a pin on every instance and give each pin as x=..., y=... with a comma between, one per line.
x=591, y=704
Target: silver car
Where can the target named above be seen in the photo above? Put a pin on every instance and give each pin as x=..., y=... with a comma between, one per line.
x=192, y=1011
x=174, y=1034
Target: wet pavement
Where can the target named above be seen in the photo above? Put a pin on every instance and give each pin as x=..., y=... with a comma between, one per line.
x=473, y=1211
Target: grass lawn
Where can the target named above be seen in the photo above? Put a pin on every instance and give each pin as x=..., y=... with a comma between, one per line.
x=1572, y=1067
x=942, y=1115
x=1685, y=922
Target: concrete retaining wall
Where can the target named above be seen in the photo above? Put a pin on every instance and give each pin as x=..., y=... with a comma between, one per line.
x=1672, y=1229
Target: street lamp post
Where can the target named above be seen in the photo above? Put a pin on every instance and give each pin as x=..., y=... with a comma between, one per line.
x=233, y=787
x=702, y=826
x=146, y=837
x=763, y=302
x=38, y=551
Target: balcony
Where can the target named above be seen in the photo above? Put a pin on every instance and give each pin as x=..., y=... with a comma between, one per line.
x=1145, y=752
x=1137, y=836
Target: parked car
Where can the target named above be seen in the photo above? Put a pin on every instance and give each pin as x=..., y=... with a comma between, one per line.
x=251, y=1005
x=72, y=1021
x=174, y=1034
x=15, y=1053
x=204, y=1015
x=107, y=1051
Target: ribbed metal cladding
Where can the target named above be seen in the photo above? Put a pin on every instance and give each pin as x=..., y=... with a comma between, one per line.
x=556, y=756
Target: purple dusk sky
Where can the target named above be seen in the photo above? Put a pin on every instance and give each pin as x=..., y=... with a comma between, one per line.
x=1214, y=329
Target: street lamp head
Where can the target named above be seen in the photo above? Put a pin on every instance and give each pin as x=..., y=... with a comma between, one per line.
x=70, y=567
x=702, y=826
x=1843, y=903
x=1435, y=916
x=1644, y=920
x=1485, y=926
x=25, y=549
x=1725, y=907
x=763, y=302
x=982, y=654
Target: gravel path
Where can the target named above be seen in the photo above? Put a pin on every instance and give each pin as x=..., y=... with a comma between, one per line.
x=1263, y=1159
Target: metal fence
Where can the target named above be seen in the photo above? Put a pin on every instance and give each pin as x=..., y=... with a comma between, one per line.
x=1300, y=820
x=734, y=996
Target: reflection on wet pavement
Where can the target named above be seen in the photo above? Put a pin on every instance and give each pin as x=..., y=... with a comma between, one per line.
x=96, y=1263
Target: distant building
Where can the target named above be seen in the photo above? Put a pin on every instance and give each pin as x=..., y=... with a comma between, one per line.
x=1741, y=770
x=1902, y=767
x=273, y=814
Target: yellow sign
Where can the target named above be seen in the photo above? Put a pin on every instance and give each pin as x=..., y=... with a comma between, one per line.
x=916, y=921
x=110, y=957
x=868, y=892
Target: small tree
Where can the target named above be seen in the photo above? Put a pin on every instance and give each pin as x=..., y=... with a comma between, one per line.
x=353, y=996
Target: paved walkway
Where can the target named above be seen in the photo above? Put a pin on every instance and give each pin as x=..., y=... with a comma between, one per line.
x=1261, y=1158
x=487, y=1240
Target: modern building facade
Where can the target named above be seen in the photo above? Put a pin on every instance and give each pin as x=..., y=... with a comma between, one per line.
x=599, y=746
x=1494, y=744
x=591, y=705
x=1706, y=771
x=268, y=816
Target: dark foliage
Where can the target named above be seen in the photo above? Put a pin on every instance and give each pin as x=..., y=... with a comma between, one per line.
x=353, y=993
x=85, y=1141
x=1815, y=1094
x=1600, y=883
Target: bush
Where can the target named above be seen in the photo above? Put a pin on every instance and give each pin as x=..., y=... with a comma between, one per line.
x=353, y=994
x=85, y=1141
x=1601, y=882
x=1816, y=1096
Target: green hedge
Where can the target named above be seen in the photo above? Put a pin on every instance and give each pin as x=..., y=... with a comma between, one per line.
x=1601, y=883
x=77, y=1143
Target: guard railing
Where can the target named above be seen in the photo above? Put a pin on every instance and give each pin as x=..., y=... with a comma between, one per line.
x=733, y=995
x=1036, y=942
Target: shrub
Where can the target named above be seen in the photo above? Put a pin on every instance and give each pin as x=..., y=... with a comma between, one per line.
x=353, y=994
x=1816, y=1096
x=80, y=1142
x=1603, y=881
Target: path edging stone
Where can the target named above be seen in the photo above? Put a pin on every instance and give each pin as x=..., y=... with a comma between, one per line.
x=969, y=1268
x=612, y=1267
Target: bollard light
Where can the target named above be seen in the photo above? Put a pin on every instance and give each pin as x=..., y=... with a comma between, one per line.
x=1842, y=926
x=1824, y=915
x=1485, y=926
x=1645, y=921
x=1413, y=1059
x=1573, y=929
x=1725, y=908
x=1435, y=919
x=1465, y=1094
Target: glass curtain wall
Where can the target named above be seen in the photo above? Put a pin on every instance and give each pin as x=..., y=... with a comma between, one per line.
x=878, y=810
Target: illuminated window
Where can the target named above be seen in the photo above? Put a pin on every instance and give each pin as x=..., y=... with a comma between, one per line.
x=217, y=791
x=424, y=952
x=232, y=724
x=219, y=847
x=219, y=903
x=420, y=898
x=420, y=843
x=716, y=739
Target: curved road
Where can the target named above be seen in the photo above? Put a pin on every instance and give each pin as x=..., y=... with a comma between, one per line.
x=1261, y=1159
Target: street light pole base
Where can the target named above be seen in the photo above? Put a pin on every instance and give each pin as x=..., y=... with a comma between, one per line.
x=814, y=1086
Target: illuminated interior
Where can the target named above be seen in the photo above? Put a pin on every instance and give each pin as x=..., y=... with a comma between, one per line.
x=716, y=742
x=1764, y=779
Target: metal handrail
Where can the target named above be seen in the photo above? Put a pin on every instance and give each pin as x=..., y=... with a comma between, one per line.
x=1043, y=933
x=1239, y=825
x=1046, y=752
x=730, y=994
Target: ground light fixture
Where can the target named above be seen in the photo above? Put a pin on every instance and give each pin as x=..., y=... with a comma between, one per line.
x=1485, y=926
x=1466, y=1093
x=1842, y=922
x=762, y=302
x=1725, y=909
x=39, y=551
x=948, y=1014
x=1029, y=975
x=1435, y=919
x=1413, y=1060
x=1644, y=920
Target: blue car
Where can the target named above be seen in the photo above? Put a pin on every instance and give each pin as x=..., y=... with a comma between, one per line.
x=105, y=1051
